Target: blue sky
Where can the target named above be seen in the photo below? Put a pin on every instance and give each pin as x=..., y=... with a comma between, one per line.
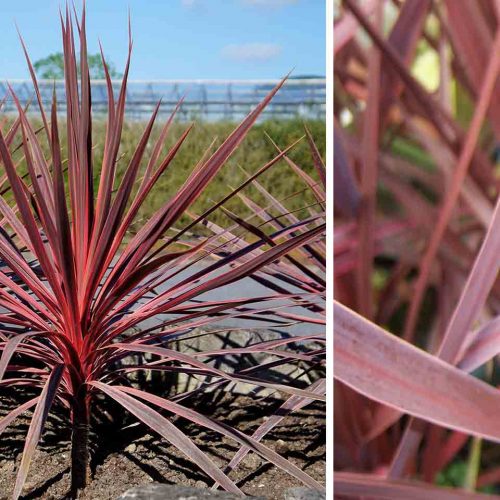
x=176, y=39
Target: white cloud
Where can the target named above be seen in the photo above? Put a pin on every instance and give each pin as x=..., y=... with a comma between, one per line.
x=189, y=4
x=269, y=3
x=251, y=51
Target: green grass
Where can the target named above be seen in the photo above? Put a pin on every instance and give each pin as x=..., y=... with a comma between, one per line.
x=254, y=152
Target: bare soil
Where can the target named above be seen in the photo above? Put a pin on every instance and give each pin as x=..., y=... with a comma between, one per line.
x=125, y=454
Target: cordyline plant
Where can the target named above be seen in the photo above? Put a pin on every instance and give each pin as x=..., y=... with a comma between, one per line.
x=417, y=248
x=76, y=289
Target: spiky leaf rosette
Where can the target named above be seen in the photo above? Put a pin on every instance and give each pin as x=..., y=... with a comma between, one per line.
x=416, y=244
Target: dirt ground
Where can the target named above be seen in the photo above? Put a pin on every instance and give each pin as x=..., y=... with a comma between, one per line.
x=126, y=457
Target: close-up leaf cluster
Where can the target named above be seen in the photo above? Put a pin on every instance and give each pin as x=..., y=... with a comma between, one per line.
x=416, y=248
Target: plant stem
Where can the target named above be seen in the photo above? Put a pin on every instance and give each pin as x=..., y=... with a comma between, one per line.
x=473, y=465
x=474, y=460
x=80, y=468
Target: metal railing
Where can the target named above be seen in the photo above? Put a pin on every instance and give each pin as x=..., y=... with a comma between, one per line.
x=204, y=99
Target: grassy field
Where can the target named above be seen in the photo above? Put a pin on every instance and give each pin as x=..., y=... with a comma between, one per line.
x=254, y=152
